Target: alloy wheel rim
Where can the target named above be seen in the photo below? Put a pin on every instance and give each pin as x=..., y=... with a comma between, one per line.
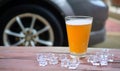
x=28, y=36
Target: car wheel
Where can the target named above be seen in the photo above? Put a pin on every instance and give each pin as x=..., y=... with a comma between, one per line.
x=30, y=25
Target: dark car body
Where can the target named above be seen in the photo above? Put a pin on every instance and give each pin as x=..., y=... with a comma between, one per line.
x=57, y=10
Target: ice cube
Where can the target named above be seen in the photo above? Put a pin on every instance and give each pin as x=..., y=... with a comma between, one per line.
x=73, y=63
x=103, y=63
x=64, y=62
x=42, y=63
x=53, y=60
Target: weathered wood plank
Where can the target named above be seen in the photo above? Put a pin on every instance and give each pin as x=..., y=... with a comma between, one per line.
x=24, y=59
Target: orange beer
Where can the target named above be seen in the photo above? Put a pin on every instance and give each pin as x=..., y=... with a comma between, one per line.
x=78, y=31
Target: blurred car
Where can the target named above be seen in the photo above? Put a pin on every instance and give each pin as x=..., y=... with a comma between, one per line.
x=41, y=22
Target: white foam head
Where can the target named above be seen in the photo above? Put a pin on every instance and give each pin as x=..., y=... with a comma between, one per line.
x=79, y=21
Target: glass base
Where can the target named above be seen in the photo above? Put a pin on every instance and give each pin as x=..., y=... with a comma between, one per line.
x=73, y=55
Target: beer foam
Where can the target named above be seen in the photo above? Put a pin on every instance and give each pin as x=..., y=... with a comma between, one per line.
x=79, y=22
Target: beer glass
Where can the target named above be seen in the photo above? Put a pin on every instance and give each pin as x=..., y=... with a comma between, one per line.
x=78, y=32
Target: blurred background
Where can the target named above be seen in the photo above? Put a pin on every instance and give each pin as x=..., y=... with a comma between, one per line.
x=112, y=25
x=42, y=22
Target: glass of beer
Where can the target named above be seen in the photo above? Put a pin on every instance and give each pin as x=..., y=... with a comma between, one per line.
x=78, y=32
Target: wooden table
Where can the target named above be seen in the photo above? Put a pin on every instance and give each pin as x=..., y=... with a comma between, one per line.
x=24, y=59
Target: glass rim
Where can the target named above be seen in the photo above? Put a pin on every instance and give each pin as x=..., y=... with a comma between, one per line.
x=77, y=20
x=78, y=17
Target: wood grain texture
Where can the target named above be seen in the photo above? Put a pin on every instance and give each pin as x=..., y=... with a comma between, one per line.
x=24, y=59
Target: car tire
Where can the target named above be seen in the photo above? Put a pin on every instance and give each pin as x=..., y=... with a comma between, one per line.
x=13, y=33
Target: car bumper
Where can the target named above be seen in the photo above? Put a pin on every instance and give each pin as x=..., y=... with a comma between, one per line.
x=97, y=37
